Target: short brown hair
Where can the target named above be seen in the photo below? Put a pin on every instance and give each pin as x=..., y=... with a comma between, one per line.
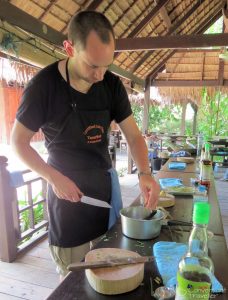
x=84, y=22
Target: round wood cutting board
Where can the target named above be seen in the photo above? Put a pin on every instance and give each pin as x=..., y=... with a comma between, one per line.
x=114, y=280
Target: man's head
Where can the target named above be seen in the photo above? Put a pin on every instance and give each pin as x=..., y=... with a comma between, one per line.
x=86, y=21
x=90, y=45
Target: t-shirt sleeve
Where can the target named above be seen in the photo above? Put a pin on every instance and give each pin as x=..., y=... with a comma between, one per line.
x=121, y=105
x=31, y=112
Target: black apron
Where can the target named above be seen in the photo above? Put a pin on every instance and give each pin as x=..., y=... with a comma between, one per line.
x=72, y=224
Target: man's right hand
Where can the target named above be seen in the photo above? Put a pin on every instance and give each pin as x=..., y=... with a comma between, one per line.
x=65, y=188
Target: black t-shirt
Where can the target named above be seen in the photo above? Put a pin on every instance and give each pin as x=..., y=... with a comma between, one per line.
x=46, y=104
x=79, y=150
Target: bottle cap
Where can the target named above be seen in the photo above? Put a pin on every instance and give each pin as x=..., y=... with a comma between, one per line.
x=202, y=188
x=201, y=213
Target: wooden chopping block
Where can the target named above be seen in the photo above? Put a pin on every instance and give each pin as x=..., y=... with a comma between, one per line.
x=166, y=200
x=187, y=160
x=114, y=280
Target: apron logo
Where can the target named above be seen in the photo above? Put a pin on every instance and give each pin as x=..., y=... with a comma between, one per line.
x=94, y=133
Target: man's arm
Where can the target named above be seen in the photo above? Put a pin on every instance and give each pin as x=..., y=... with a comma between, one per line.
x=139, y=152
x=63, y=187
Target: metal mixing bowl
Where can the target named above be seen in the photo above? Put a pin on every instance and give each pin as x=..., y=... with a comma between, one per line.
x=134, y=225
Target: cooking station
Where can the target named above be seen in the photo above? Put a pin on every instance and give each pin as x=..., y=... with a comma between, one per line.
x=76, y=286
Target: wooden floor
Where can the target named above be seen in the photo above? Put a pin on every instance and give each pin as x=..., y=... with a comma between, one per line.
x=33, y=275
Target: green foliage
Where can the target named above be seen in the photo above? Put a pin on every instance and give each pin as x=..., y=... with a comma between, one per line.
x=37, y=211
x=138, y=114
x=213, y=114
x=164, y=119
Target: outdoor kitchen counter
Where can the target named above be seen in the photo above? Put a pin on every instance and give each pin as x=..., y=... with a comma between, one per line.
x=76, y=287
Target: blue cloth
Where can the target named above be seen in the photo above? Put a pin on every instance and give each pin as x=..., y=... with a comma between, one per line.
x=170, y=182
x=168, y=255
x=181, y=153
x=16, y=179
x=177, y=165
x=116, y=198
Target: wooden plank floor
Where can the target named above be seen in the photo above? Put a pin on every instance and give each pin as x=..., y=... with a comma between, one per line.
x=32, y=276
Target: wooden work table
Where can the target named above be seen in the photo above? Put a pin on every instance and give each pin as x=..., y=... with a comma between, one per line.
x=75, y=285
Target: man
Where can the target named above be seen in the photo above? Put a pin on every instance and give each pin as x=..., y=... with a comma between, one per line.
x=74, y=102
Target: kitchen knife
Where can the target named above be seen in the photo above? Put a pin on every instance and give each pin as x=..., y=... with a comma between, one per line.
x=113, y=262
x=95, y=202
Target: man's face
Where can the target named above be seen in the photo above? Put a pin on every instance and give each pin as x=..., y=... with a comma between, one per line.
x=91, y=63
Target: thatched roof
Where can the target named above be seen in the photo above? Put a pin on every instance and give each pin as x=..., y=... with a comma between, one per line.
x=130, y=19
x=202, y=66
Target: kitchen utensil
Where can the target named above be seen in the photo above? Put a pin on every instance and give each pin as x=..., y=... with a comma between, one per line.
x=135, y=226
x=153, y=212
x=113, y=281
x=109, y=262
x=95, y=202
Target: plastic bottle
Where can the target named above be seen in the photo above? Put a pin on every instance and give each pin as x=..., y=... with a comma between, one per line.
x=205, y=167
x=196, y=269
x=200, y=194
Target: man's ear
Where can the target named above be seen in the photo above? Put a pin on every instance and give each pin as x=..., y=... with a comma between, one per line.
x=68, y=46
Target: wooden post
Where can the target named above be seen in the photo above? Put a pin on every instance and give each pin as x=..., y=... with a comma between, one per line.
x=194, y=121
x=184, y=107
x=8, y=232
x=146, y=106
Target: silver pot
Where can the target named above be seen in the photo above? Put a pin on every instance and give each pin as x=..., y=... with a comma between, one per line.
x=134, y=225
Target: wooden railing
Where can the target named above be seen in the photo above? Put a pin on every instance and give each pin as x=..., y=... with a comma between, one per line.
x=12, y=238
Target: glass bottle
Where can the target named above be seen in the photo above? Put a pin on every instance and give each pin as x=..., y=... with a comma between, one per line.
x=205, y=168
x=194, y=276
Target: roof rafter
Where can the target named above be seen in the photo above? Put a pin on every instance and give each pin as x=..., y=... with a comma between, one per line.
x=146, y=20
x=171, y=31
x=206, y=24
x=94, y=5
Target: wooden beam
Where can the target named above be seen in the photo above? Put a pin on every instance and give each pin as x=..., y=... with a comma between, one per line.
x=171, y=31
x=126, y=74
x=148, y=18
x=146, y=105
x=187, y=83
x=29, y=50
x=183, y=117
x=202, y=69
x=221, y=72
x=17, y=17
x=206, y=24
x=94, y=5
x=172, y=42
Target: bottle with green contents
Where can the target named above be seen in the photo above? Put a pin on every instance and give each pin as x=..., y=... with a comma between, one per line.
x=194, y=276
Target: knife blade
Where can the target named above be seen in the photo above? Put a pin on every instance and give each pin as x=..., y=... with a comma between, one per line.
x=95, y=202
x=113, y=262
